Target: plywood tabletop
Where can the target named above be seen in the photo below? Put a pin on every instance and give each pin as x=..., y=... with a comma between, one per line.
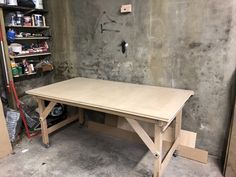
x=151, y=102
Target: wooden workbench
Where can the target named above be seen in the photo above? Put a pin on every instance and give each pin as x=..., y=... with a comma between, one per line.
x=157, y=105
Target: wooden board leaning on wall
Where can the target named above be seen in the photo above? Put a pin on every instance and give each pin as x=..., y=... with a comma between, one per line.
x=230, y=160
x=5, y=145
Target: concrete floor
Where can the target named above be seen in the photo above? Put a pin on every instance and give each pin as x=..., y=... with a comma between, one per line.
x=76, y=152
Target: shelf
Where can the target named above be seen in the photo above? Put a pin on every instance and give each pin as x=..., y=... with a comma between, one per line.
x=24, y=77
x=25, y=9
x=29, y=27
x=29, y=55
x=31, y=38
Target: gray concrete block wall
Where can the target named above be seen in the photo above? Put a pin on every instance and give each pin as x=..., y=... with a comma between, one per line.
x=173, y=43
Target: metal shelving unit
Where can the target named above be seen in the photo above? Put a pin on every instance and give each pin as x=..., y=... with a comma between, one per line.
x=23, y=40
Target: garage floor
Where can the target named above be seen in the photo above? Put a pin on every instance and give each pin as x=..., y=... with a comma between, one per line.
x=81, y=153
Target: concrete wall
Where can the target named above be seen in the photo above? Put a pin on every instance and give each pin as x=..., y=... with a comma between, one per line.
x=174, y=43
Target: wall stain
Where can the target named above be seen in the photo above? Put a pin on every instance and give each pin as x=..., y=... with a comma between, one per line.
x=194, y=45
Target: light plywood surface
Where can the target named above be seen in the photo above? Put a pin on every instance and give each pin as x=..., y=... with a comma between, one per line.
x=151, y=102
x=5, y=145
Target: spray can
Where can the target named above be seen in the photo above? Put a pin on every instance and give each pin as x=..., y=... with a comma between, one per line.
x=38, y=4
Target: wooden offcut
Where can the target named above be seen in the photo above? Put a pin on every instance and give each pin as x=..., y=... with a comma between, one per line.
x=127, y=8
x=230, y=160
x=193, y=154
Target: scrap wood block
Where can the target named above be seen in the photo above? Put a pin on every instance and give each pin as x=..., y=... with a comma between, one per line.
x=126, y=8
x=193, y=154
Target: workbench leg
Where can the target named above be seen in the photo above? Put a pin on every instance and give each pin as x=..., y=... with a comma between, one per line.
x=158, y=145
x=178, y=123
x=81, y=116
x=43, y=122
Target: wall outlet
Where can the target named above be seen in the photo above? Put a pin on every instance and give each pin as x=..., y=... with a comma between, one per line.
x=126, y=8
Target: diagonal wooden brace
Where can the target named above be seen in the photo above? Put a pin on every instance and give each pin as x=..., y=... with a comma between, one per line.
x=43, y=112
x=47, y=110
x=144, y=136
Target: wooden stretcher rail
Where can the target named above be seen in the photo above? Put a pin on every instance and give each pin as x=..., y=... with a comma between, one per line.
x=65, y=122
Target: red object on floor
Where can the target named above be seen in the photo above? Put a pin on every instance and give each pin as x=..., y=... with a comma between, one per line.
x=12, y=86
